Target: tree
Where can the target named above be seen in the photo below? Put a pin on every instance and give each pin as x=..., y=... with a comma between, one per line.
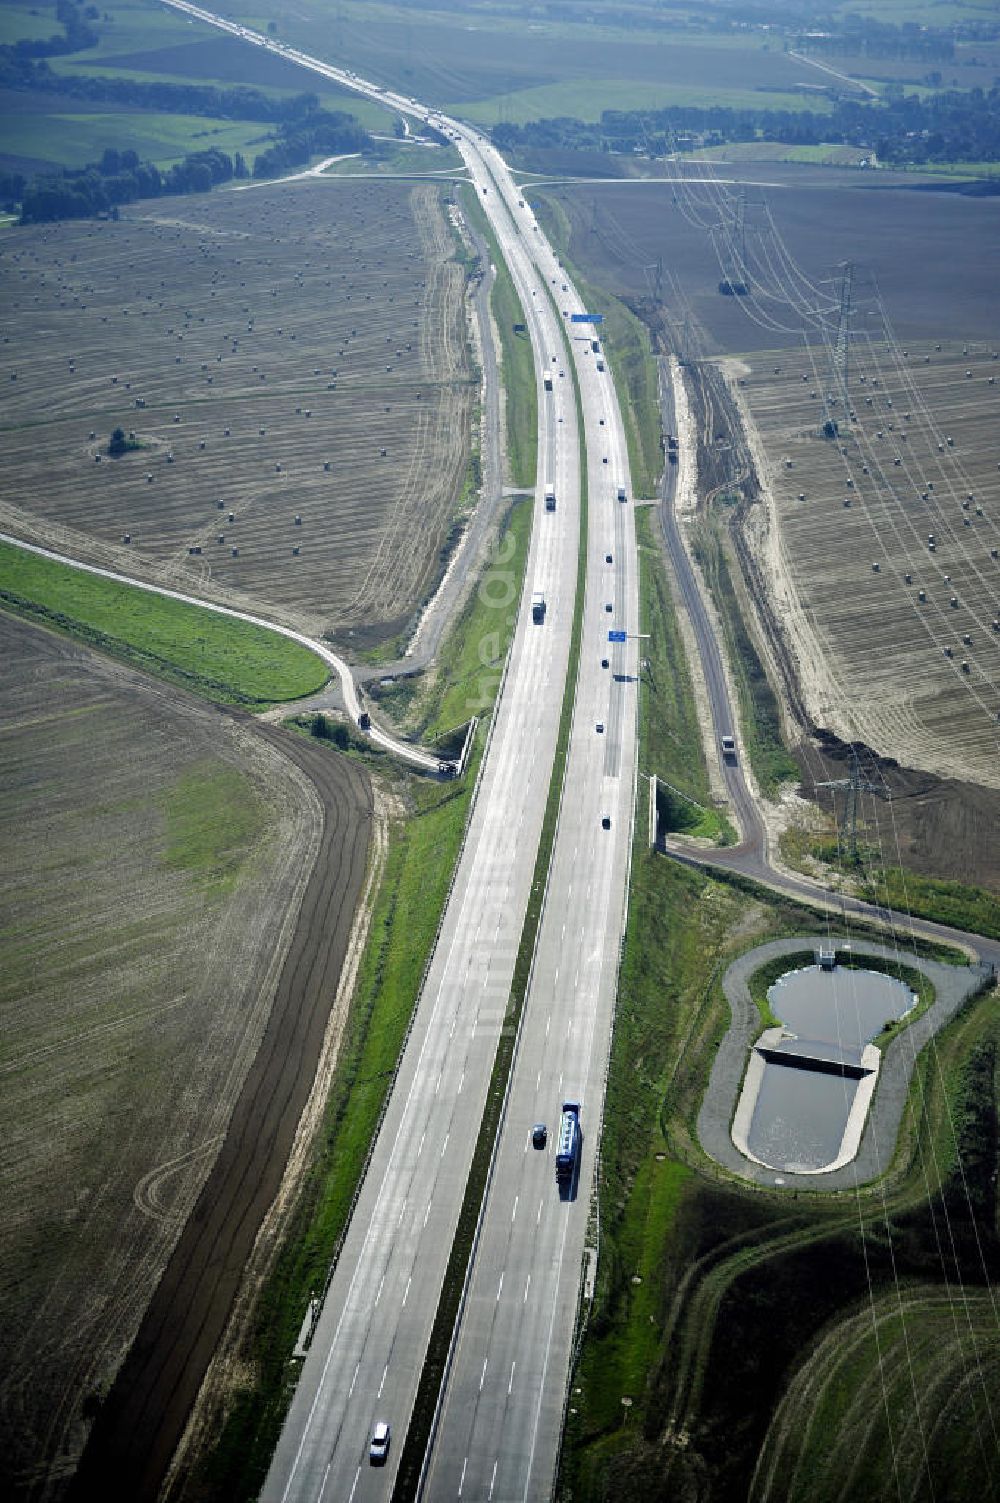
x=118, y=443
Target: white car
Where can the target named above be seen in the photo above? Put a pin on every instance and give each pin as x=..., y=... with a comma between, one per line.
x=378, y=1450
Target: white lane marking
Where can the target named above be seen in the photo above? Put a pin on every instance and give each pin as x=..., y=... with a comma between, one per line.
x=482, y=1375
x=461, y=1480
x=548, y=1021
x=461, y=1083
x=420, y=1146
x=428, y=1211
x=569, y=1026
x=499, y=1289
x=493, y=1478
x=380, y=1284
x=524, y=1301
x=514, y=1211
x=402, y=1210
x=437, y=1085
x=539, y=1216
x=406, y=1291
x=357, y=1478
x=510, y=1385
x=354, y=1380
x=538, y=1080
x=385, y=1373
x=444, y=1145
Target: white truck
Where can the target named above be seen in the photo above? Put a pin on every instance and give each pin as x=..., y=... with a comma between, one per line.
x=728, y=744
x=550, y=498
x=621, y=493
x=538, y=607
x=547, y=381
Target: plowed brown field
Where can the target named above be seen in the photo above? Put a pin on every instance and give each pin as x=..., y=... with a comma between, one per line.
x=299, y=353
x=179, y=884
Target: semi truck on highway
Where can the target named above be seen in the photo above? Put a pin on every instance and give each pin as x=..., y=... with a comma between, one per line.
x=568, y=1142
x=548, y=381
x=538, y=607
x=550, y=498
x=728, y=748
x=621, y=493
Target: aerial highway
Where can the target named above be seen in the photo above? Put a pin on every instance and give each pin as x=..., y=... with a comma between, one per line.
x=368, y=1344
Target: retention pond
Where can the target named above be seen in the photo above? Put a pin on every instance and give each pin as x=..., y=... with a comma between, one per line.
x=810, y=1081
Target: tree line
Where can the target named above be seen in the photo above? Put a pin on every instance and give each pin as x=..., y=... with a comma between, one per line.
x=903, y=129
x=120, y=177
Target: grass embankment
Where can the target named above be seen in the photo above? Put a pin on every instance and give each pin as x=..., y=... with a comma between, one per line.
x=974, y=910
x=709, y=1292
x=518, y=366
x=760, y=717
x=466, y=675
x=448, y=1306
x=423, y=850
x=216, y=656
x=673, y=738
x=625, y=344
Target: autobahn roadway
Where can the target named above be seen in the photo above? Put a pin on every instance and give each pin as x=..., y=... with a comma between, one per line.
x=368, y=1346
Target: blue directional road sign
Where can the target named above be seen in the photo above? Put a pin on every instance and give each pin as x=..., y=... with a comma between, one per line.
x=617, y=636
x=586, y=318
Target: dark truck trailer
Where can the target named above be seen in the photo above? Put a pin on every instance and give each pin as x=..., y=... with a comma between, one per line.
x=568, y=1142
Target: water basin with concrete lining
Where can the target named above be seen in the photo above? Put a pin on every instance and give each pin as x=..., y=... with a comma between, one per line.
x=810, y=1081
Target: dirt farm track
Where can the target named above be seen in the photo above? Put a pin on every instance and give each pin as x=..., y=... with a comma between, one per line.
x=168, y=986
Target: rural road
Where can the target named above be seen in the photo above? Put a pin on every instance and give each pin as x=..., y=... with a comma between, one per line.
x=750, y=858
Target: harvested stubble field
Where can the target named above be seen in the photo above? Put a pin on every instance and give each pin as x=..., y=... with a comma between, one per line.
x=170, y=949
x=286, y=352
x=881, y=547
x=931, y=251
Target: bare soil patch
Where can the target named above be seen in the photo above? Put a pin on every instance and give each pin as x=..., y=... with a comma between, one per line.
x=293, y=361
x=157, y=863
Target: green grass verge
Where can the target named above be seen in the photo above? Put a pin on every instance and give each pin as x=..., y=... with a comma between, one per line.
x=444, y=1323
x=466, y=674
x=672, y=745
x=518, y=366
x=625, y=344
x=215, y=656
x=422, y=855
x=760, y=717
x=974, y=910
